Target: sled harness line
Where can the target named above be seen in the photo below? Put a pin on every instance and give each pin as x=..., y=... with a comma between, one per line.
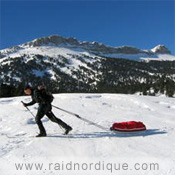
x=81, y=118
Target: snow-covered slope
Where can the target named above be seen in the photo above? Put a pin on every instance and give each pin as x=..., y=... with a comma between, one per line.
x=96, y=151
x=55, y=53
x=142, y=56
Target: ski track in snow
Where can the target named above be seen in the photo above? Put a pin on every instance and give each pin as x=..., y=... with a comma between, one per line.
x=18, y=128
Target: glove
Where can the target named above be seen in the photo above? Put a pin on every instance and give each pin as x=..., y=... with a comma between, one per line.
x=24, y=104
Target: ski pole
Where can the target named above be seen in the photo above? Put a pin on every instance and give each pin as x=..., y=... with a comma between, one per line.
x=28, y=109
x=81, y=118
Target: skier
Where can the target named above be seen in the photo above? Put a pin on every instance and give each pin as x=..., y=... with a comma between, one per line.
x=45, y=108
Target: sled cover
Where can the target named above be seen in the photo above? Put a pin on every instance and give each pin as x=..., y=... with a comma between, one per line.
x=128, y=126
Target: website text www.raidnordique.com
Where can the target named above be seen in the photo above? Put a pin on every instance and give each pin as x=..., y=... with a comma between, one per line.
x=91, y=167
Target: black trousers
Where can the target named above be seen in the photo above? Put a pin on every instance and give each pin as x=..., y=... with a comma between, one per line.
x=46, y=109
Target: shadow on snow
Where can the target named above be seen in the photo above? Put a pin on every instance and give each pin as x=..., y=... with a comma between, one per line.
x=148, y=132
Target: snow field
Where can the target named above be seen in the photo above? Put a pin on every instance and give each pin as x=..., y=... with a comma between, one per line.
x=87, y=143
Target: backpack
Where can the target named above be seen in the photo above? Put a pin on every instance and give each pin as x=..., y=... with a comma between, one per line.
x=45, y=94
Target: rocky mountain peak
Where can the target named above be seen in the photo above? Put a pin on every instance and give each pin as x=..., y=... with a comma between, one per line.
x=161, y=49
x=52, y=40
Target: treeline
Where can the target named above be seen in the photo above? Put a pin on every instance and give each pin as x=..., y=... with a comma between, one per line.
x=126, y=76
x=104, y=75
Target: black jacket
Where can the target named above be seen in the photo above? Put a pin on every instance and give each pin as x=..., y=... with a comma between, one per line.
x=37, y=98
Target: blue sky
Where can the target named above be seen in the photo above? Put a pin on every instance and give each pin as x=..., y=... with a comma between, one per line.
x=143, y=24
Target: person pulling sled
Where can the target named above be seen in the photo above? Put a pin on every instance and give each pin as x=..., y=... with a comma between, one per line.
x=44, y=99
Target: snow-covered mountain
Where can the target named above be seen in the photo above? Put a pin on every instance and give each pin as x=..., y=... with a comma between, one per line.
x=57, y=44
x=69, y=65
x=97, y=151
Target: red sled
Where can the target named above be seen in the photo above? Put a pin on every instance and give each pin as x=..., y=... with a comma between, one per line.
x=131, y=126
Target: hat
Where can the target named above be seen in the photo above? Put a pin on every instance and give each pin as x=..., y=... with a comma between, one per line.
x=27, y=87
